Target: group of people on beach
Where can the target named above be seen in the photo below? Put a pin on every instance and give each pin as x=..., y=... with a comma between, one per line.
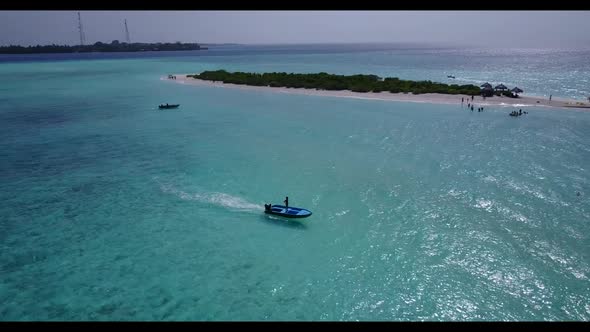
x=519, y=113
x=172, y=77
x=463, y=100
x=470, y=105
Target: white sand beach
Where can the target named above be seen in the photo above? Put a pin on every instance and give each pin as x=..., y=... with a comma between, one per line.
x=432, y=98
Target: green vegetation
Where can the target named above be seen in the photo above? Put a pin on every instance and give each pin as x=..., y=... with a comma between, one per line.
x=114, y=46
x=324, y=81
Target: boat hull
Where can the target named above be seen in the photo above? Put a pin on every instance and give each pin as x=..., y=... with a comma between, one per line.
x=290, y=212
x=168, y=107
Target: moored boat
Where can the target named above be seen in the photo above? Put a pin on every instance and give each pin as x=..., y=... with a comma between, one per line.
x=168, y=106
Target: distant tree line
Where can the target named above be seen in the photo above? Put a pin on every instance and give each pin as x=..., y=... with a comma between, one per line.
x=325, y=81
x=114, y=46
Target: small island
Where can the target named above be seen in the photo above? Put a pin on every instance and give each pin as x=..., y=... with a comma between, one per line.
x=114, y=46
x=372, y=87
x=325, y=81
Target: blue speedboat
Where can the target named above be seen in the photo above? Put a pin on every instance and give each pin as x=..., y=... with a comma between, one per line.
x=288, y=212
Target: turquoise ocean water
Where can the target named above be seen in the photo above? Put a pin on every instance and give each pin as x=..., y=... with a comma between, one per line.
x=113, y=210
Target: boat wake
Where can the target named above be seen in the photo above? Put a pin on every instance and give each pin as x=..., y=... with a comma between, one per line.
x=214, y=198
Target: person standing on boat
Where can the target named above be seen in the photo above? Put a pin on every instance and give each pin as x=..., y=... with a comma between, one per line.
x=287, y=201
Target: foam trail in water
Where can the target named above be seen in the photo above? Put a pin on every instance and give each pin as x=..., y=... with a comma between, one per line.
x=215, y=198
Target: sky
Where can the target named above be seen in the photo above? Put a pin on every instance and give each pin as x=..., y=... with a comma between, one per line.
x=522, y=29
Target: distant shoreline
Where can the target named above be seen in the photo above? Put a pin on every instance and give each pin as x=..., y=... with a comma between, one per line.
x=431, y=98
x=114, y=47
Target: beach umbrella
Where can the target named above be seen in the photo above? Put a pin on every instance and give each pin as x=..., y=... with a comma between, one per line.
x=516, y=90
x=501, y=87
x=486, y=85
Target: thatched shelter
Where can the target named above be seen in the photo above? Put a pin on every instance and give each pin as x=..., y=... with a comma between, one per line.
x=501, y=87
x=487, y=91
x=516, y=91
